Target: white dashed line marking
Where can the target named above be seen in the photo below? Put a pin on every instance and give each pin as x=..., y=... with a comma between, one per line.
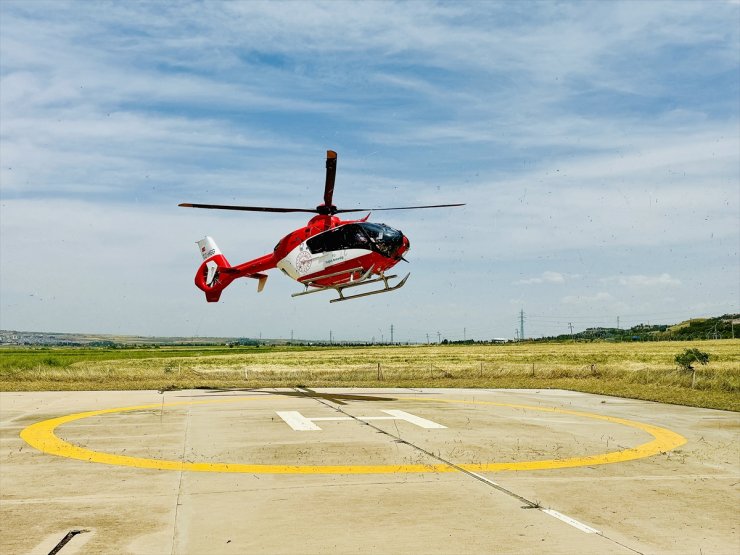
x=572, y=521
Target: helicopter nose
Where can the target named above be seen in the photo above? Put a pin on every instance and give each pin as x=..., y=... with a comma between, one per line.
x=403, y=247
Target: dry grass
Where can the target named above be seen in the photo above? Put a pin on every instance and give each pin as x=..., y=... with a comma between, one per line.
x=635, y=370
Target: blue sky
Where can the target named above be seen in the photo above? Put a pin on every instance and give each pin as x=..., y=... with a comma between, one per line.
x=596, y=145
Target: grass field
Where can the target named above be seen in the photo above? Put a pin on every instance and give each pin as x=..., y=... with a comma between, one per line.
x=634, y=370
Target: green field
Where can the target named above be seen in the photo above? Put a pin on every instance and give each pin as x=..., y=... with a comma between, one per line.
x=635, y=370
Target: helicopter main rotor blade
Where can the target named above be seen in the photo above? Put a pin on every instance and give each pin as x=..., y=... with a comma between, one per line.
x=399, y=208
x=306, y=210
x=247, y=208
x=331, y=173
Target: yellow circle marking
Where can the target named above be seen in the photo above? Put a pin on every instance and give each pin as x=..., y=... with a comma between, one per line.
x=41, y=436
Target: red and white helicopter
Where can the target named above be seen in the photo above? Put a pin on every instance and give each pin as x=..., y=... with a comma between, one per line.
x=327, y=254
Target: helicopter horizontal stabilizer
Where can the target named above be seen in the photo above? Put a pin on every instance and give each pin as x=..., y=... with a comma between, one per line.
x=261, y=280
x=236, y=272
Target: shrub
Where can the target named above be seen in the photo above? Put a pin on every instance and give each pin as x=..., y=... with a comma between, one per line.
x=51, y=361
x=690, y=356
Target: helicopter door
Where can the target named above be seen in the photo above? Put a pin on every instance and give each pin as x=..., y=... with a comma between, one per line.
x=325, y=248
x=331, y=246
x=334, y=252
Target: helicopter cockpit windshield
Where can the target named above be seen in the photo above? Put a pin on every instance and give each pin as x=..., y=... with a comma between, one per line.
x=384, y=239
x=369, y=236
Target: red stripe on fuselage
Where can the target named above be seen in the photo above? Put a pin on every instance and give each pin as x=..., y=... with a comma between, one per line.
x=378, y=262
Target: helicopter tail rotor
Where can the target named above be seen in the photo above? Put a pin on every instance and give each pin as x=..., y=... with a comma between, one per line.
x=209, y=277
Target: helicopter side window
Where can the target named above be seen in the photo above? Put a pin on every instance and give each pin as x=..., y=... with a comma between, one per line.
x=349, y=236
x=325, y=242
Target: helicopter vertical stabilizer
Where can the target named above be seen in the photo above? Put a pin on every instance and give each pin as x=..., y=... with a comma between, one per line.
x=208, y=274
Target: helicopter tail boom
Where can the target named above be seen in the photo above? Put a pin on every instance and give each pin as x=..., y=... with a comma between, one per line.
x=215, y=273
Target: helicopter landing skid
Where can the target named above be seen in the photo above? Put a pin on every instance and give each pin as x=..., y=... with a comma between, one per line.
x=365, y=279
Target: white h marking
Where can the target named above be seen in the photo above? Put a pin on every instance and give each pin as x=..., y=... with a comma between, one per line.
x=297, y=421
x=300, y=423
x=421, y=422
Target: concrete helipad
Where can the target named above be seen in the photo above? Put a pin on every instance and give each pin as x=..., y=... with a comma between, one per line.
x=358, y=471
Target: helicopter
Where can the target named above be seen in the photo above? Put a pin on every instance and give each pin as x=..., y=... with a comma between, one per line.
x=327, y=254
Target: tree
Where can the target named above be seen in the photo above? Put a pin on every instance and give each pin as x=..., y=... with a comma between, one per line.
x=689, y=357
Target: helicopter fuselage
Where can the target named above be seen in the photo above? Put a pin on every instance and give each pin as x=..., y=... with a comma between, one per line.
x=326, y=252
x=328, y=249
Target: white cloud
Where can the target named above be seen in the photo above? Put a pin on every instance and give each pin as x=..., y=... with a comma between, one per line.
x=639, y=280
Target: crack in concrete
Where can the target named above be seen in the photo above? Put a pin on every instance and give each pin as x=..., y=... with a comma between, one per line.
x=398, y=439
x=179, y=483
